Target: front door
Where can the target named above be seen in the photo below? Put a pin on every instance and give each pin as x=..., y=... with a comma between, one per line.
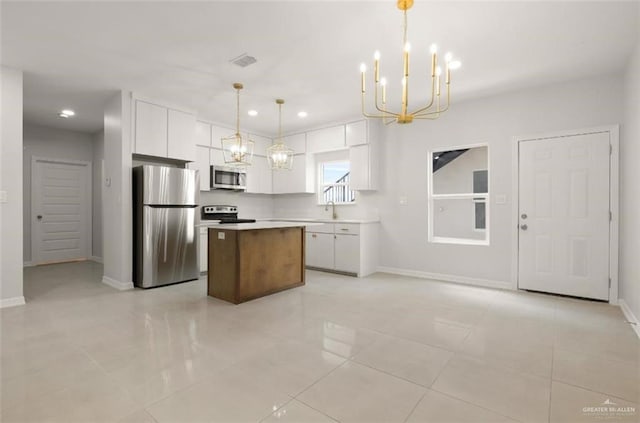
x=564, y=215
x=60, y=211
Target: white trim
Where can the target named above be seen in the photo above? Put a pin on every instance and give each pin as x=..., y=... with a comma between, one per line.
x=11, y=302
x=486, y=283
x=121, y=286
x=630, y=316
x=96, y=259
x=28, y=264
x=88, y=198
x=614, y=170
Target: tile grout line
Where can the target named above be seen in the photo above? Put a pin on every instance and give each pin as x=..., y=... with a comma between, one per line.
x=474, y=404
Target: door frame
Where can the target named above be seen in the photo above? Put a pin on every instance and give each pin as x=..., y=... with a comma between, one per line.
x=614, y=182
x=35, y=256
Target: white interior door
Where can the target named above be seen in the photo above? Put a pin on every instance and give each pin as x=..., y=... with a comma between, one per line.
x=60, y=208
x=564, y=215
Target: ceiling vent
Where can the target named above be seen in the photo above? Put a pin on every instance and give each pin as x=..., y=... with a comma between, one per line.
x=243, y=60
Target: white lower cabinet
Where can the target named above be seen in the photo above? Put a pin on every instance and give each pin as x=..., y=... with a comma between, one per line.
x=340, y=247
x=204, y=249
x=347, y=253
x=319, y=248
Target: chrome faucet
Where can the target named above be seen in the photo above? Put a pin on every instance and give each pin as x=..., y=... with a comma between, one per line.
x=334, y=215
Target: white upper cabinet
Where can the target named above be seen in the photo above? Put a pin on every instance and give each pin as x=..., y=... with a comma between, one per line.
x=203, y=134
x=356, y=133
x=298, y=180
x=217, y=133
x=160, y=131
x=217, y=157
x=296, y=142
x=259, y=176
x=364, y=162
x=150, y=129
x=260, y=144
x=202, y=165
x=328, y=139
x=180, y=141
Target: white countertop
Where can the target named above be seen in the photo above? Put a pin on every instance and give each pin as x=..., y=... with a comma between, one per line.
x=261, y=224
x=320, y=220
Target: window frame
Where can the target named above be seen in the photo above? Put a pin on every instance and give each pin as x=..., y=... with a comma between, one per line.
x=431, y=198
x=321, y=186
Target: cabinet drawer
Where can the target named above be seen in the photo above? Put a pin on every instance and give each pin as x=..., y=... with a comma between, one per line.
x=324, y=228
x=347, y=228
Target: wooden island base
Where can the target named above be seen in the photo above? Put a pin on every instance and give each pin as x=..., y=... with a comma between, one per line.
x=248, y=264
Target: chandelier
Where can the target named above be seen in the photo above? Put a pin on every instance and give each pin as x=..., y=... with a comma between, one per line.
x=237, y=150
x=433, y=109
x=279, y=155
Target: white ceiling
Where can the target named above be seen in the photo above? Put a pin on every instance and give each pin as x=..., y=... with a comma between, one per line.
x=77, y=54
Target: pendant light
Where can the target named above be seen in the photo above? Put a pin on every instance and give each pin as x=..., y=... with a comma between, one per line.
x=237, y=150
x=279, y=155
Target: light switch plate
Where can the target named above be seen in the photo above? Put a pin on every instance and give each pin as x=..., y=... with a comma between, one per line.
x=220, y=235
x=3, y=196
x=403, y=201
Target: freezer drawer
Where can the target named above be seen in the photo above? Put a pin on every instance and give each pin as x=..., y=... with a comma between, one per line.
x=168, y=248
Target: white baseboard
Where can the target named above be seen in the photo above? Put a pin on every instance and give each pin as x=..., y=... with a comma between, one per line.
x=487, y=283
x=630, y=316
x=122, y=286
x=28, y=264
x=96, y=259
x=11, y=302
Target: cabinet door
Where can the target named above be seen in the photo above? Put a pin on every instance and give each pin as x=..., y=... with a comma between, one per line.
x=360, y=169
x=202, y=164
x=204, y=250
x=217, y=157
x=347, y=253
x=329, y=139
x=296, y=142
x=203, y=134
x=181, y=129
x=356, y=133
x=260, y=145
x=150, y=129
x=254, y=174
x=294, y=181
x=217, y=133
x=319, y=250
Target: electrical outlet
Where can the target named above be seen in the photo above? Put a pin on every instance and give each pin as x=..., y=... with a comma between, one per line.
x=220, y=235
x=3, y=196
x=403, y=201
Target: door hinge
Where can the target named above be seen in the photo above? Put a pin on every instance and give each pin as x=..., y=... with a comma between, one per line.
x=610, y=149
x=609, y=282
x=610, y=216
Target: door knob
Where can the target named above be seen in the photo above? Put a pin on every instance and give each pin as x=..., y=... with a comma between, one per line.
x=523, y=215
x=524, y=227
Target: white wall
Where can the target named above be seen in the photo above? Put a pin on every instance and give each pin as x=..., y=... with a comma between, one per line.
x=629, y=187
x=11, y=261
x=493, y=120
x=41, y=141
x=117, y=212
x=98, y=163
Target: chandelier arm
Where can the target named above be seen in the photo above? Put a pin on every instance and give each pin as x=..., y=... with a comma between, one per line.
x=365, y=114
x=437, y=112
x=433, y=97
x=383, y=110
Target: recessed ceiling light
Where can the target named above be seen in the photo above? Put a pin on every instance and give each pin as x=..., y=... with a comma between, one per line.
x=252, y=113
x=63, y=115
x=302, y=114
x=66, y=113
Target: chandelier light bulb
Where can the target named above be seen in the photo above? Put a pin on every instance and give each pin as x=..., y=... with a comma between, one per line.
x=363, y=68
x=448, y=57
x=434, y=48
x=376, y=55
x=383, y=81
x=438, y=71
x=407, y=47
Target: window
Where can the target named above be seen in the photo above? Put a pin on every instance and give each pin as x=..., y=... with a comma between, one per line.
x=458, y=196
x=334, y=183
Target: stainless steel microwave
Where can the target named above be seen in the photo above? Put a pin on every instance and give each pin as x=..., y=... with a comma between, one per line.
x=228, y=177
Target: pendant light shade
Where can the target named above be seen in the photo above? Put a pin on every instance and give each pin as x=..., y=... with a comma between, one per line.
x=237, y=149
x=280, y=156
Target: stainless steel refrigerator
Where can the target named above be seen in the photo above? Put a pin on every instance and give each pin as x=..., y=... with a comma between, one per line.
x=165, y=241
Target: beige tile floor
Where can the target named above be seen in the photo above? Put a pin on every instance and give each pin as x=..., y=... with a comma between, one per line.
x=383, y=348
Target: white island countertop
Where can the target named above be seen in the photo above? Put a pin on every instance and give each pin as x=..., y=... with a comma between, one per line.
x=321, y=220
x=261, y=224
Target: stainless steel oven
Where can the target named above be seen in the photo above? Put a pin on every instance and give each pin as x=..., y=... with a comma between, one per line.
x=228, y=177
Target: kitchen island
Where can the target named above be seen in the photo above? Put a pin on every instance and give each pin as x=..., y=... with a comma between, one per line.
x=251, y=260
